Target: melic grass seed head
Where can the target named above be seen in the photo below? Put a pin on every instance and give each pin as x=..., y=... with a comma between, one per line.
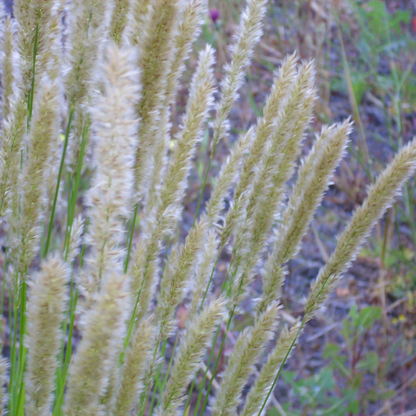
x=97, y=351
x=115, y=137
x=47, y=304
x=380, y=197
x=87, y=171
x=43, y=130
x=189, y=355
x=247, y=351
x=133, y=368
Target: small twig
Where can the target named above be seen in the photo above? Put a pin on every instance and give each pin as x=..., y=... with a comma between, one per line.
x=209, y=376
x=396, y=304
x=322, y=332
x=321, y=247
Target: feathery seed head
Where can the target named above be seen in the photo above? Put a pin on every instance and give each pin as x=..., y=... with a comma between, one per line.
x=313, y=179
x=133, y=368
x=192, y=347
x=43, y=131
x=98, y=349
x=380, y=196
x=119, y=20
x=86, y=31
x=137, y=14
x=264, y=381
x=13, y=134
x=156, y=51
x=247, y=350
x=227, y=176
x=33, y=20
x=180, y=268
x=203, y=273
x=7, y=67
x=115, y=126
x=248, y=35
x=46, y=308
x=283, y=82
x=188, y=30
x=199, y=103
x=75, y=239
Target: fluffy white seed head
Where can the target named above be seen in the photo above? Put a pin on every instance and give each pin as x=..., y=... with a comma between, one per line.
x=115, y=124
x=47, y=303
x=380, y=196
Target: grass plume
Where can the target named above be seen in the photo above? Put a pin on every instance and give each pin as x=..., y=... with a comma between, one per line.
x=46, y=307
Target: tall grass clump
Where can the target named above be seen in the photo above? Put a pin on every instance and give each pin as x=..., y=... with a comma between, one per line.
x=92, y=186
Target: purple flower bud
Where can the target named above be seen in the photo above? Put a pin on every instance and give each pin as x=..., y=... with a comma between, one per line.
x=214, y=14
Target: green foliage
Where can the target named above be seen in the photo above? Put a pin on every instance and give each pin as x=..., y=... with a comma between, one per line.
x=379, y=22
x=382, y=40
x=340, y=387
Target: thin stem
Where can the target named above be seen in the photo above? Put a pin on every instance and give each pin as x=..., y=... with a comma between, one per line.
x=13, y=349
x=143, y=402
x=280, y=369
x=72, y=307
x=130, y=238
x=22, y=348
x=165, y=379
x=162, y=354
x=214, y=371
x=3, y=292
x=58, y=181
x=201, y=386
x=32, y=89
x=73, y=192
x=201, y=195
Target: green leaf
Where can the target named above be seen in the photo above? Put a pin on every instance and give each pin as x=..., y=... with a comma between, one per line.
x=370, y=362
x=376, y=13
x=357, y=380
x=399, y=17
x=353, y=311
x=289, y=377
x=331, y=350
x=387, y=394
x=354, y=407
x=359, y=85
x=369, y=315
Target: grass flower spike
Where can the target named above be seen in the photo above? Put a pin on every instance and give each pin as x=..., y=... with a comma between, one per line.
x=97, y=351
x=261, y=388
x=46, y=308
x=133, y=369
x=201, y=97
x=189, y=355
x=7, y=65
x=240, y=366
x=110, y=196
x=248, y=35
x=155, y=56
x=313, y=179
x=380, y=196
x=119, y=20
x=42, y=133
